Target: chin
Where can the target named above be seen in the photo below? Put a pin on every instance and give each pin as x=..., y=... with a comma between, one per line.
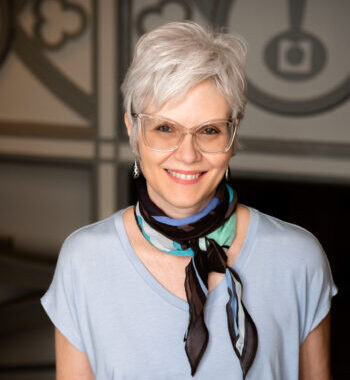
x=179, y=200
x=182, y=201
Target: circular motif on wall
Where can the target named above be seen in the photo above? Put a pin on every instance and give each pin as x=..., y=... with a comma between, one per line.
x=298, y=56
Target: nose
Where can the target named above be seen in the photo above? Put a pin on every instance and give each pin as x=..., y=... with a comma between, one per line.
x=187, y=151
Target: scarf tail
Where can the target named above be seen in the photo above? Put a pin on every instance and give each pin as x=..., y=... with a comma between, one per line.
x=197, y=334
x=242, y=330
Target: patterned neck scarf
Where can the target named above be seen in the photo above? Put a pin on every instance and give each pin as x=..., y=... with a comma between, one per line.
x=205, y=237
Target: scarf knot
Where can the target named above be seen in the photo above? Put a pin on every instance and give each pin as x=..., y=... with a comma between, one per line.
x=217, y=257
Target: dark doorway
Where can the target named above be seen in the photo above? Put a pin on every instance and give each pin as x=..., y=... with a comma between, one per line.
x=324, y=210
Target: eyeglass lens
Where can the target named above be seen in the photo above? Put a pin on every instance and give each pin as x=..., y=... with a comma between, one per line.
x=211, y=137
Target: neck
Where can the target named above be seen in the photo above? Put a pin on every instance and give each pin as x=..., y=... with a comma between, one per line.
x=180, y=212
x=177, y=211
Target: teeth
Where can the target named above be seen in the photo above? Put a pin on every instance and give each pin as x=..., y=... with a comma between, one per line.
x=183, y=176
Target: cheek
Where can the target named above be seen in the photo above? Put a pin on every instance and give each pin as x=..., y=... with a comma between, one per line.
x=221, y=163
x=145, y=156
x=150, y=160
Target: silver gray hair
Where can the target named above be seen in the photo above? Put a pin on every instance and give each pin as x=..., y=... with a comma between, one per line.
x=175, y=57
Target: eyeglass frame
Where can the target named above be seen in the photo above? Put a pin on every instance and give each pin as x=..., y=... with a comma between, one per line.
x=233, y=122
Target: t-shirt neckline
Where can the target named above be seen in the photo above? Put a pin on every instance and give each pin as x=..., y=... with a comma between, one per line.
x=156, y=286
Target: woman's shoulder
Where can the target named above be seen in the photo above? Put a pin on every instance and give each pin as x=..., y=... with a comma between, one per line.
x=91, y=239
x=287, y=240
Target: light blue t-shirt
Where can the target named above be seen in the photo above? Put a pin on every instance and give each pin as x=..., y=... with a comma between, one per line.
x=109, y=306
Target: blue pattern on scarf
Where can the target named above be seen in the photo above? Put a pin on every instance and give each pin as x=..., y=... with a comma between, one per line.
x=190, y=219
x=233, y=303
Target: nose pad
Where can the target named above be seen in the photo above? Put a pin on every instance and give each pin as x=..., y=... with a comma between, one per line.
x=187, y=150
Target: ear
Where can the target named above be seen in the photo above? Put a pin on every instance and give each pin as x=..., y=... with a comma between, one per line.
x=128, y=123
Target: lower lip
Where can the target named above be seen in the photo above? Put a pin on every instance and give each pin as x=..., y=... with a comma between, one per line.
x=185, y=181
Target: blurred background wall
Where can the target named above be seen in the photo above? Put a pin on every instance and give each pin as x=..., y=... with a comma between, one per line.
x=65, y=159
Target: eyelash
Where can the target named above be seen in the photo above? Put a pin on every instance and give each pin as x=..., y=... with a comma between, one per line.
x=160, y=128
x=204, y=129
x=212, y=130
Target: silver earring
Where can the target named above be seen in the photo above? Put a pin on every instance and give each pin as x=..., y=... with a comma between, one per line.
x=136, y=170
x=228, y=174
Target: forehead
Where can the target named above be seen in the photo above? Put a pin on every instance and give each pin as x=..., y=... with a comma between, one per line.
x=201, y=103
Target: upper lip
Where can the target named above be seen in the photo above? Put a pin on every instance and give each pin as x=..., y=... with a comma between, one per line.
x=189, y=172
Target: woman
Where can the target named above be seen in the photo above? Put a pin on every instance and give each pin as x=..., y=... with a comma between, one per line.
x=189, y=283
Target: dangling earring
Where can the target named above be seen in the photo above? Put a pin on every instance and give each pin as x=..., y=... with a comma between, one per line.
x=136, y=170
x=228, y=174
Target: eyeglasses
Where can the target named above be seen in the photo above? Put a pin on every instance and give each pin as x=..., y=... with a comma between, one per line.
x=165, y=135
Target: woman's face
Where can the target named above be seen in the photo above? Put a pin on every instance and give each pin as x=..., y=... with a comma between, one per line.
x=179, y=197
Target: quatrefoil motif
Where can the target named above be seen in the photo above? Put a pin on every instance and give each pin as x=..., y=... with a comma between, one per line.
x=159, y=13
x=57, y=22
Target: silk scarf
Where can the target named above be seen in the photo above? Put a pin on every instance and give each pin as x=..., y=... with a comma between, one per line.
x=205, y=237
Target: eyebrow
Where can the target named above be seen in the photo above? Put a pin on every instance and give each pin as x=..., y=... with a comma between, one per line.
x=194, y=126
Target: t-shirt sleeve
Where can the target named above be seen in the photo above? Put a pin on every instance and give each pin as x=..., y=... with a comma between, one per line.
x=319, y=288
x=60, y=299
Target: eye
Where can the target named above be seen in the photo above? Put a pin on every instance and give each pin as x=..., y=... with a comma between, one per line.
x=165, y=128
x=210, y=130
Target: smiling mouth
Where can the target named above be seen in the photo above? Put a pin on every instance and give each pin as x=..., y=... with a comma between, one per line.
x=183, y=176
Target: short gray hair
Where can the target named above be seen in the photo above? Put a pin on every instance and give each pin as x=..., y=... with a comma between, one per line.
x=175, y=57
